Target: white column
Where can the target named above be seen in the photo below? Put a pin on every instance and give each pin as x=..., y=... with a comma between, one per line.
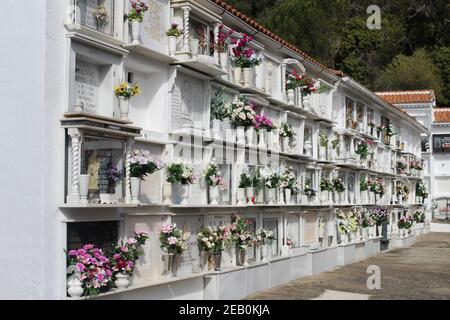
x=268, y=77
x=283, y=81
x=216, y=40
x=128, y=152
x=74, y=196
x=186, y=10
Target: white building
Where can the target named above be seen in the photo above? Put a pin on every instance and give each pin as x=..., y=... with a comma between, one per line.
x=64, y=121
x=421, y=104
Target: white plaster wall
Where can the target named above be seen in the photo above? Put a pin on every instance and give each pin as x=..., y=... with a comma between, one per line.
x=22, y=63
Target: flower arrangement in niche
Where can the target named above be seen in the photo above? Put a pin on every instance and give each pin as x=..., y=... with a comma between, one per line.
x=323, y=138
x=308, y=190
x=421, y=190
x=179, y=172
x=405, y=222
x=127, y=90
x=363, y=185
x=173, y=240
x=257, y=180
x=125, y=254
x=91, y=266
x=138, y=9
x=326, y=185
x=338, y=185
x=401, y=166
x=335, y=142
x=286, y=130
x=223, y=39
x=376, y=185
x=389, y=130
x=241, y=236
x=289, y=179
x=173, y=31
x=265, y=237
x=262, y=122
x=114, y=175
x=419, y=216
x=363, y=150
x=101, y=14
x=243, y=53
x=142, y=163
x=245, y=180
x=242, y=113
x=272, y=177
x=213, y=177
x=379, y=215
x=219, y=109
x=416, y=164
x=206, y=239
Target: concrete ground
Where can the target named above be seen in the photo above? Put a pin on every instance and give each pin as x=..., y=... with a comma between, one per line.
x=421, y=271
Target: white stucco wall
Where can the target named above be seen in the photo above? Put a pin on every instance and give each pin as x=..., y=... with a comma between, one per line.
x=22, y=63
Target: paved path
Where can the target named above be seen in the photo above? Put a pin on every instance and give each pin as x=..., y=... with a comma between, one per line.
x=421, y=271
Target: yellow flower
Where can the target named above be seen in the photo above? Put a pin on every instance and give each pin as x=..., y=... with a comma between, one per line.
x=136, y=90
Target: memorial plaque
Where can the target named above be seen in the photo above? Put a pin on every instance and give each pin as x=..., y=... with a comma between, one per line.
x=272, y=225
x=216, y=220
x=310, y=228
x=87, y=86
x=88, y=9
x=293, y=229
x=154, y=26
x=190, y=259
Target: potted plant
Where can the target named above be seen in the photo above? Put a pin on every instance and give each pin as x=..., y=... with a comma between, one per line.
x=90, y=269
x=326, y=187
x=141, y=165
x=421, y=192
x=136, y=16
x=113, y=175
x=272, y=179
x=215, y=182
x=363, y=188
x=242, y=116
x=293, y=81
x=124, y=92
x=286, y=133
x=339, y=188
x=180, y=174
x=242, y=239
x=222, y=240
x=263, y=125
x=124, y=258
x=244, y=58
x=265, y=238
x=245, y=186
x=335, y=146
x=288, y=183
x=206, y=241
x=218, y=113
x=323, y=143
x=363, y=151
x=308, y=191
x=257, y=183
x=101, y=16
x=172, y=35
x=173, y=243
x=222, y=45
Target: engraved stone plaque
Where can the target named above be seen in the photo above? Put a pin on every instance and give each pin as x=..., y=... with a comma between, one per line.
x=87, y=86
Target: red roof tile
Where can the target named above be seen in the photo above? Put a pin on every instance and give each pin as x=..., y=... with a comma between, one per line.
x=442, y=116
x=403, y=97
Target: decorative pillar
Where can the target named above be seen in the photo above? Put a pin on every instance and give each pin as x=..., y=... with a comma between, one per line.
x=268, y=77
x=186, y=10
x=216, y=41
x=283, y=81
x=74, y=196
x=128, y=151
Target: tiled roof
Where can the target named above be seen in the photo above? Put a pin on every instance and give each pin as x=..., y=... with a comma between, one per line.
x=403, y=97
x=268, y=33
x=442, y=116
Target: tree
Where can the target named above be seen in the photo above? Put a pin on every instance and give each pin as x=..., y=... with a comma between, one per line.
x=414, y=72
x=441, y=58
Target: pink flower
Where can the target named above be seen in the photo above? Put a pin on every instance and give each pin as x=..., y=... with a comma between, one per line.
x=72, y=252
x=80, y=267
x=123, y=249
x=166, y=228
x=131, y=241
x=116, y=256
x=88, y=247
x=172, y=240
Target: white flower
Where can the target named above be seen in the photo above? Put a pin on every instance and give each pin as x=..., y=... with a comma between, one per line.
x=242, y=115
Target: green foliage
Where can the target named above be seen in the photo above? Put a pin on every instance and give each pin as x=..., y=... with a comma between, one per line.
x=218, y=110
x=245, y=181
x=441, y=59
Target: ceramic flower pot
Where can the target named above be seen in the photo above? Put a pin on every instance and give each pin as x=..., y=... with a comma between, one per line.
x=135, y=31
x=124, y=105
x=287, y=195
x=193, y=47
x=290, y=96
x=285, y=144
x=204, y=257
x=271, y=196
x=75, y=288
x=380, y=230
x=168, y=259
x=184, y=192
x=223, y=58
x=122, y=280
x=242, y=258
x=172, y=40
x=308, y=148
x=238, y=75
x=264, y=252
x=167, y=193
x=240, y=196
x=249, y=135
x=240, y=135
x=214, y=196
x=247, y=76
x=250, y=192
x=83, y=181
x=135, y=189
x=216, y=129
x=217, y=262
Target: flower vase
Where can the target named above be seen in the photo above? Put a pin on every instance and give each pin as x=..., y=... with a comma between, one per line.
x=287, y=195
x=281, y=196
x=264, y=252
x=270, y=196
x=193, y=47
x=249, y=134
x=379, y=229
x=217, y=262
x=223, y=57
x=122, y=280
x=172, y=40
x=285, y=144
x=240, y=135
x=324, y=197
x=306, y=102
x=250, y=192
x=242, y=258
x=214, y=196
x=75, y=288
x=290, y=96
x=240, y=196
x=167, y=194
x=135, y=31
x=216, y=129
x=322, y=153
x=184, y=193
x=135, y=189
x=238, y=75
x=84, y=188
x=124, y=106
x=308, y=148
x=168, y=261
x=204, y=256
x=262, y=137
x=247, y=76
x=343, y=238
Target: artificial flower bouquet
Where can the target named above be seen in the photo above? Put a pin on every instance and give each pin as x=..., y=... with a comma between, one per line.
x=265, y=237
x=338, y=185
x=179, y=172
x=213, y=177
x=405, y=222
x=207, y=238
x=127, y=90
x=419, y=216
x=242, y=113
x=173, y=31
x=379, y=215
x=125, y=254
x=241, y=236
x=173, y=240
x=286, y=130
x=289, y=179
x=272, y=177
x=243, y=54
x=138, y=9
x=326, y=185
x=363, y=150
x=142, y=163
x=262, y=122
x=308, y=190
